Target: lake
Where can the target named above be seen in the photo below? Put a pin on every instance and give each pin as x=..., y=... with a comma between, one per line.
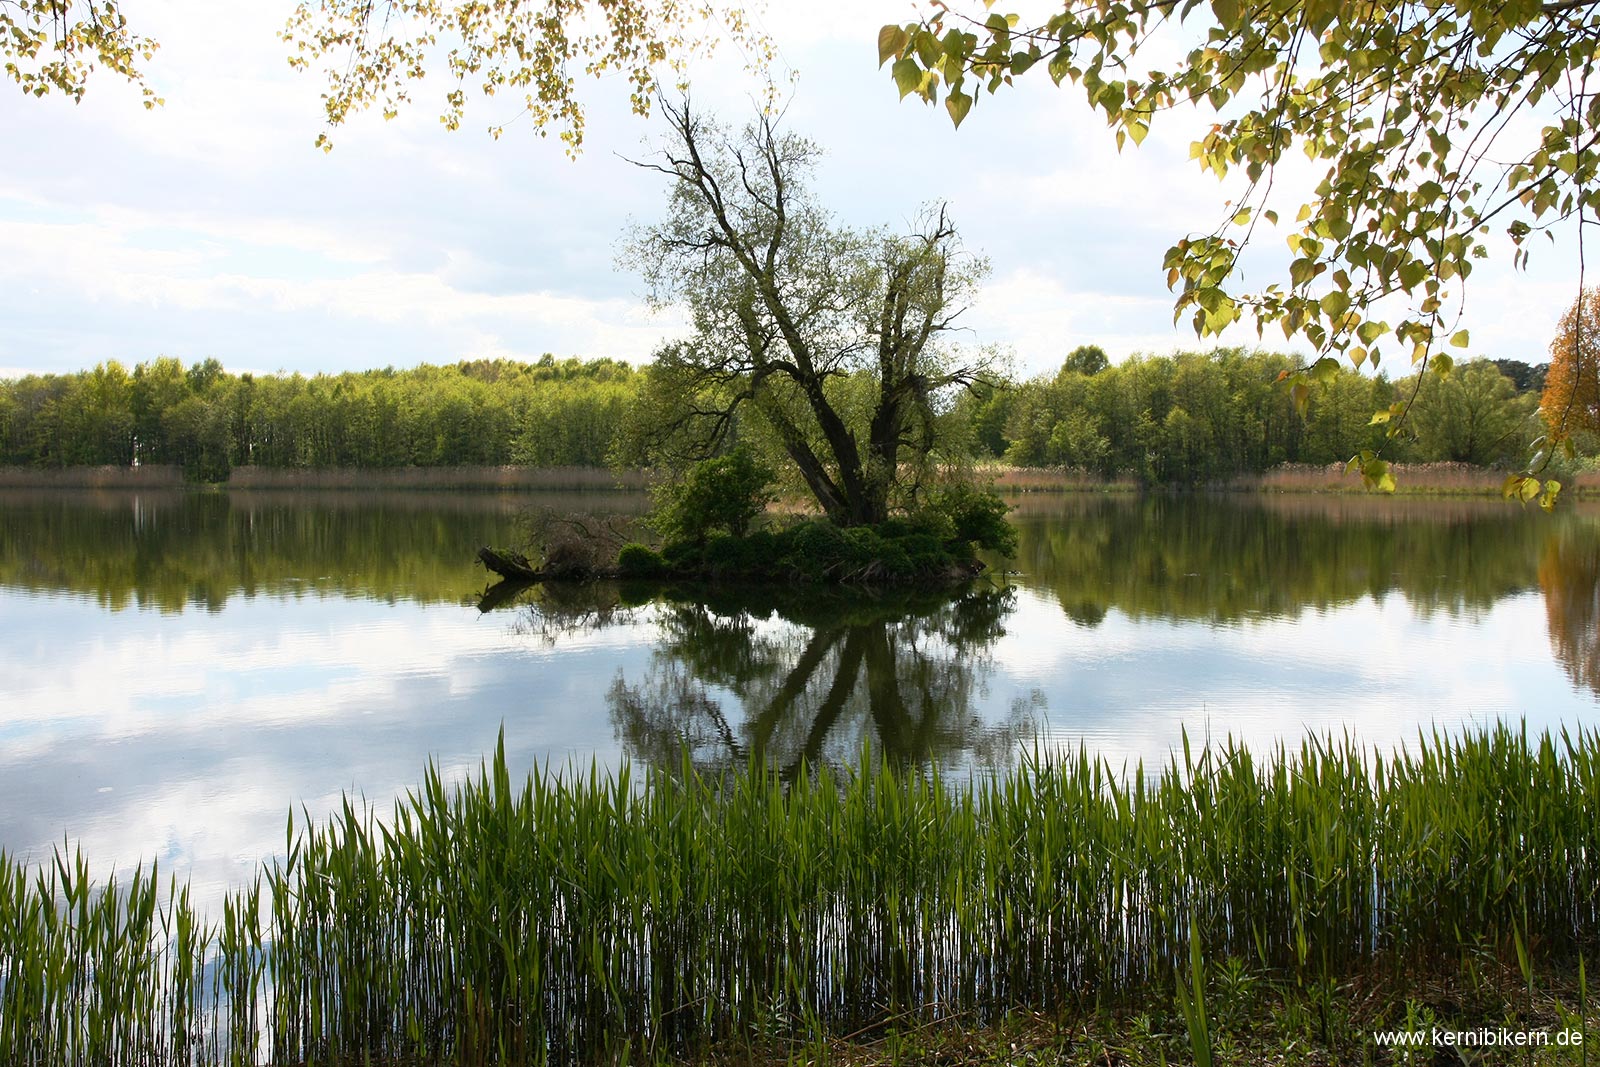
x=179, y=670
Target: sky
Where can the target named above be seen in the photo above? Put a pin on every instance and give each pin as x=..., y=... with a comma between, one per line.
x=212, y=227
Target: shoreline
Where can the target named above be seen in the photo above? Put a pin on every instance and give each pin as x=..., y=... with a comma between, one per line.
x=1427, y=479
x=347, y=479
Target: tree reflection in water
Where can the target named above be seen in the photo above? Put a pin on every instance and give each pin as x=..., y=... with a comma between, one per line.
x=802, y=678
x=1569, y=575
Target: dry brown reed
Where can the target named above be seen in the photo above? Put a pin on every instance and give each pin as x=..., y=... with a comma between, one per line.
x=1448, y=479
x=498, y=478
x=149, y=476
x=1051, y=480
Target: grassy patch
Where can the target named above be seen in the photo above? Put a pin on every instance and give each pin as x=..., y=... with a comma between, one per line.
x=580, y=917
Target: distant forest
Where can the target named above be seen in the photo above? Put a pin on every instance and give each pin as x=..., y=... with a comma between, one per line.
x=1188, y=418
x=552, y=413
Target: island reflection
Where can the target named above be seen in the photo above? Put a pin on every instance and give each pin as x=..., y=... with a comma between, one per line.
x=796, y=678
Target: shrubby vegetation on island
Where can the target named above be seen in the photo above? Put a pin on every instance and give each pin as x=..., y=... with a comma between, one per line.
x=710, y=524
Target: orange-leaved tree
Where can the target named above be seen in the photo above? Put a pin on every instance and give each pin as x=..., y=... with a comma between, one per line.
x=1571, y=402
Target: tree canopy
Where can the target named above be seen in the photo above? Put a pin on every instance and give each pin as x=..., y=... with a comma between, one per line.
x=53, y=46
x=373, y=53
x=546, y=414
x=1571, y=402
x=1436, y=123
x=832, y=340
x=533, y=52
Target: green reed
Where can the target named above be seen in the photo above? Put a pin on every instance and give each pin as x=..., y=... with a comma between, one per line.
x=581, y=916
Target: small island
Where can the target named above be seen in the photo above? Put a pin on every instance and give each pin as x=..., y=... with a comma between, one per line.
x=710, y=525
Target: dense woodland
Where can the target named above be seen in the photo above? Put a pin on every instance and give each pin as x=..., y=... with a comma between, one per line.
x=1183, y=419
x=1193, y=418
x=550, y=413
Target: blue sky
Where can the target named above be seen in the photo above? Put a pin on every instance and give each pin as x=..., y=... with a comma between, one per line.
x=211, y=227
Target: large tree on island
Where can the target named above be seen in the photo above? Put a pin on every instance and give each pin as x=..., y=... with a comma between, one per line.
x=835, y=339
x=1437, y=123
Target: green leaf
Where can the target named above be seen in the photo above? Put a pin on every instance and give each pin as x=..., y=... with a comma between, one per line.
x=1325, y=370
x=891, y=42
x=1460, y=340
x=1375, y=474
x=1522, y=488
x=958, y=104
x=907, y=76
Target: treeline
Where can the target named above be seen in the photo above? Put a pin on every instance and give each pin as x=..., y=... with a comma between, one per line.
x=1184, y=419
x=1193, y=418
x=549, y=413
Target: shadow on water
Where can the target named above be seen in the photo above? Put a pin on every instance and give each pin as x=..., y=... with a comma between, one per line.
x=795, y=678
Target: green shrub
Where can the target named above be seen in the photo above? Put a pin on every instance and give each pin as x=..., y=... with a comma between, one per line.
x=977, y=517
x=925, y=552
x=813, y=551
x=680, y=552
x=725, y=493
x=638, y=561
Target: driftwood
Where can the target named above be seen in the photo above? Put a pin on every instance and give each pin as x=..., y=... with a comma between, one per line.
x=510, y=564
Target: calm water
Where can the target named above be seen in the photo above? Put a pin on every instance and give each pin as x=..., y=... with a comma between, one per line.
x=178, y=671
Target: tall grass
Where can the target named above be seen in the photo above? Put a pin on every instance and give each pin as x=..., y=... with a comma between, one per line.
x=566, y=917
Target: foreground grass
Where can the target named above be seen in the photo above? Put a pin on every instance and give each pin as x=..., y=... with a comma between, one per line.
x=608, y=916
x=1255, y=1019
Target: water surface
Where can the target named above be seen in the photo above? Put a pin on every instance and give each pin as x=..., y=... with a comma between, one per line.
x=180, y=670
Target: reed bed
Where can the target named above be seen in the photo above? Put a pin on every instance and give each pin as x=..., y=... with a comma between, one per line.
x=497, y=478
x=1010, y=479
x=1448, y=479
x=148, y=476
x=576, y=917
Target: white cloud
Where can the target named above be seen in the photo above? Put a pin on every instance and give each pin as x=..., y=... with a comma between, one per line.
x=211, y=227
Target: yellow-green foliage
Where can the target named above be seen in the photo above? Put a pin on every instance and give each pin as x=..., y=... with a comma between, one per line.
x=548, y=414
x=1197, y=417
